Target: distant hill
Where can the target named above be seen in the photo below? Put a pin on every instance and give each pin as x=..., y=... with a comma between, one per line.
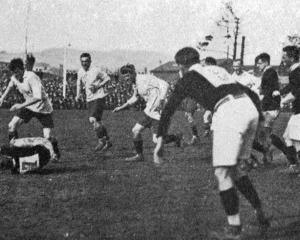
x=110, y=59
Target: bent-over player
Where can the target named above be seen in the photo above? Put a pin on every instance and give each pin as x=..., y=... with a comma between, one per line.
x=236, y=111
x=154, y=91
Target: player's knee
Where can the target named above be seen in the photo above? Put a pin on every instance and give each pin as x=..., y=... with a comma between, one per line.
x=154, y=138
x=47, y=133
x=92, y=120
x=221, y=173
x=136, y=131
x=12, y=126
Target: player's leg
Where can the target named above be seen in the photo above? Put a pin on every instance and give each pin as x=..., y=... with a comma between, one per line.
x=191, y=121
x=236, y=120
x=207, y=122
x=241, y=179
x=96, y=108
x=13, y=127
x=138, y=141
x=290, y=136
x=169, y=138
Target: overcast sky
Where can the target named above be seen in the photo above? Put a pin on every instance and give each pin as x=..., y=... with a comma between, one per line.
x=156, y=25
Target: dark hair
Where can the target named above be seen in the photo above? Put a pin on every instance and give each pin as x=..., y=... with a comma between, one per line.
x=83, y=55
x=292, y=51
x=187, y=56
x=128, y=68
x=264, y=57
x=210, y=61
x=30, y=58
x=16, y=63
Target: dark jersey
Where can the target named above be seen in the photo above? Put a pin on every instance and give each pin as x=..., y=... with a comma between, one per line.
x=269, y=84
x=206, y=91
x=294, y=88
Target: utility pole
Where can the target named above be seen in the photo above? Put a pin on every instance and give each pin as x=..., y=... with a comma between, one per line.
x=236, y=33
x=243, y=50
x=26, y=27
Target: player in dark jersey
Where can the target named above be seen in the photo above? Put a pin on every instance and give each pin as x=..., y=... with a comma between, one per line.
x=29, y=154
x=236, y=111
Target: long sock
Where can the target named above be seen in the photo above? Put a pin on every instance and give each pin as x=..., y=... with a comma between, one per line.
x=258, y=146
x=278, y=143
x=291, y=155
x=170, y=138
x=245, y=186
x=230, y=201
x=138, y=145
x=194, y=130
x=12, y=135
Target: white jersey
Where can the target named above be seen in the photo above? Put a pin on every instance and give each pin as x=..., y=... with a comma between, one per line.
x=216, y=75
x=30, y=88
x=152, y=90
x=92, y=78
x=248, y=80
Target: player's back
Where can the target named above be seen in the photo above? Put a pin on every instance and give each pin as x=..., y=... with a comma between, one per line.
x=148, y=85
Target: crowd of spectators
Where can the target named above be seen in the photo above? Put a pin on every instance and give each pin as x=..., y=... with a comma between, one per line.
x=119, y=91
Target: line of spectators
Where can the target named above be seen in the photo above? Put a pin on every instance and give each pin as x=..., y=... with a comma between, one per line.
x=119, y=90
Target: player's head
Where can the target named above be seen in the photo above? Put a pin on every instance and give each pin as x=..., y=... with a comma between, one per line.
x=237, y=66
x=210, y=61
x=128, y=72
x=85, y=60
x=186, y=57
x=16, y=66
x=290, y=55
x=262, y=61
x=30, y=60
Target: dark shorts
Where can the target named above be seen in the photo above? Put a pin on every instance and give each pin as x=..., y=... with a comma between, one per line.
x=148, y=122
x=96, y=108
x=44, y=118
x=189, y=105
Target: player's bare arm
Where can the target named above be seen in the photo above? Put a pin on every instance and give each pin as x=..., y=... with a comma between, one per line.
x=130, y=102
x=7, y=90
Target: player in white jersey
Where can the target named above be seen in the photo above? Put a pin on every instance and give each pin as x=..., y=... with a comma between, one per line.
x=94, y=81
x=245, y=78
x=154, y=91
x=37, y=103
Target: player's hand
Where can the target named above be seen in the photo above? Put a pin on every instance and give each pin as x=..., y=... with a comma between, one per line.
x=77, y=98
x=158, y=151
x=15, y=107
x=1, y=101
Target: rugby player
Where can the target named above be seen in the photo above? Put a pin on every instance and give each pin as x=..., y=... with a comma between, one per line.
x=29, y=154
x=37, y=103
x=94, y=81
x=154, y=91
x=290, y=58
x=236, y=111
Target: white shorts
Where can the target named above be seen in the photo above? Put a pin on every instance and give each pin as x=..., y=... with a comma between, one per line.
x=292, y=132
x=270, y=117
x=234, y=126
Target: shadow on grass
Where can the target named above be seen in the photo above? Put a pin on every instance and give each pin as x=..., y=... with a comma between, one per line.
x=62, y=170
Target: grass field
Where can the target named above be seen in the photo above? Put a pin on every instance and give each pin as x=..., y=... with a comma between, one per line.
x=93, y=196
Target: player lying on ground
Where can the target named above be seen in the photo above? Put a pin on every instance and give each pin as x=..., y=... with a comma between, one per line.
x=37, y=103
x=154, y=91
x=29, y=154
x=236, y=111
x=94, y=80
